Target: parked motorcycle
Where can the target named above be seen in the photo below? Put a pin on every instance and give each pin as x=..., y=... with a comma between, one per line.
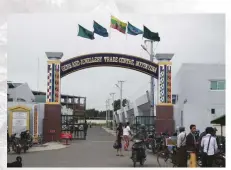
x=219, y=159
x=15, y=144
x=138, y=152
x=149, y=140
x=26, y=140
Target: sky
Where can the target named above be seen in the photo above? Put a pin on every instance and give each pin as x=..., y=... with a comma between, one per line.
x=193, y=38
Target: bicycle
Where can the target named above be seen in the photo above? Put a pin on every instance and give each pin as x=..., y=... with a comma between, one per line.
x=169, y=157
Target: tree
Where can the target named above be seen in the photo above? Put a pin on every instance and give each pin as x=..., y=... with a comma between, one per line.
x=117, y=104
x=124, y=103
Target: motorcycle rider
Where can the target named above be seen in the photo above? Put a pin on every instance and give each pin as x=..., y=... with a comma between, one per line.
x=142, y=135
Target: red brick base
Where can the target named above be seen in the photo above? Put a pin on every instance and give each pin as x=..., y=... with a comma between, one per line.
x=52, y=122
x=164, y=119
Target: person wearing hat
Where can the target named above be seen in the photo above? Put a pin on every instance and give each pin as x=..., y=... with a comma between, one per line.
x=181, y=148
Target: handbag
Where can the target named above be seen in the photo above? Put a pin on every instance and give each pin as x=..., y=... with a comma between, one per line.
x=115, y=145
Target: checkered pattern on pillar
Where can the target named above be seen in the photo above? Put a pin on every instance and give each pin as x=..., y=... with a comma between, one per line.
x=169, y=83
x=57, y=83
x=49, y=83
x=162, y=84
x=53, y=83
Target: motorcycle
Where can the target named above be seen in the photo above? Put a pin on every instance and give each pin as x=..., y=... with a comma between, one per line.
x=219, y=160
x=26, y=140
x=138, y=152
x=149, y=141
x=15, y=143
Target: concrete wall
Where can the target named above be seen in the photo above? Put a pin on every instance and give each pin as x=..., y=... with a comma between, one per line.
x=192, y=83
x=96, y=121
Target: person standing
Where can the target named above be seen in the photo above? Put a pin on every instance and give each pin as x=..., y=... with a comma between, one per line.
x=209, y=145
x=181, y=148
x=126, y=135
x=85, y=128
x=191, y=143
x=119, y=136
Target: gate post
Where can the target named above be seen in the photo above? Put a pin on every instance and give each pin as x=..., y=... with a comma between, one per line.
x=164, y=108
x=52, y=110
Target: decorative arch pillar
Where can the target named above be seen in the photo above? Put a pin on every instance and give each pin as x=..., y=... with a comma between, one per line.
x=53, y=77
x=52, y=109
x=164, y=108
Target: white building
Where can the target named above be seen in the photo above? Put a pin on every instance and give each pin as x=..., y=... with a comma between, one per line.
x=200, y=89
x=138, y=107
x=19, y=92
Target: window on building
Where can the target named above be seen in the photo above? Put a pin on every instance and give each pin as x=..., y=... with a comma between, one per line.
x=217, y=85
x=174, y=98
x=10, y=100
x=21, y=100
x=212, y=111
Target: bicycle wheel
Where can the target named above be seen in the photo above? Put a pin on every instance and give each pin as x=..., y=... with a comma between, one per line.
x=161, y=157
x=164, y=159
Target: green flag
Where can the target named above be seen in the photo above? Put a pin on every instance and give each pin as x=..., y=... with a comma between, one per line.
x=83, y=32
x=150, y=35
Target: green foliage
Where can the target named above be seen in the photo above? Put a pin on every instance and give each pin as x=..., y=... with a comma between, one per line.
x=117, y=104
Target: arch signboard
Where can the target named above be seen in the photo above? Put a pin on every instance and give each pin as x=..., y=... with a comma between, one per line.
x=57, y=69
x=111, y=60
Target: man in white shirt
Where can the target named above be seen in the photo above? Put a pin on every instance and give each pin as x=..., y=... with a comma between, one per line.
x=126, y=133
x=209, y=145
x=181, y=146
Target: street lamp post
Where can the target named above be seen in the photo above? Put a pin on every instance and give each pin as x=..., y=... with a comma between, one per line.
x=113, y=105
x=152, y=55
x=109, y=109
x=121, y=93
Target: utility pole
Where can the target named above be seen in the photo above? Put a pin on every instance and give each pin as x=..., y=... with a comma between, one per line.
x=106, y=111
x=38, y=77
x=109, y=113
x=113, y=101
x=121, y=93
x=113, y=105
x=152, y=82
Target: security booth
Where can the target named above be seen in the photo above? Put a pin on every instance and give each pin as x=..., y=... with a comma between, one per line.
x=219, y=121
x=220, y=138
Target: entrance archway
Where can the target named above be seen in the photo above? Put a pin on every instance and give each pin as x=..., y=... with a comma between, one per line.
x=57, y=69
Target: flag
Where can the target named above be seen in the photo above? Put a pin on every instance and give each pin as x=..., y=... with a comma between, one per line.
x=83, y=32
x=98, y=29
x=118, y=25
x=150, y=35
x=133, y=30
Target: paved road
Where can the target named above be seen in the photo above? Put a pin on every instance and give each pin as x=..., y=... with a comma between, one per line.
x=96, y=151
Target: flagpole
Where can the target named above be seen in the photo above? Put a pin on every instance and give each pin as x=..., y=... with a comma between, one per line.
x=110, y=28
x=38, y=76
x=126, y=31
